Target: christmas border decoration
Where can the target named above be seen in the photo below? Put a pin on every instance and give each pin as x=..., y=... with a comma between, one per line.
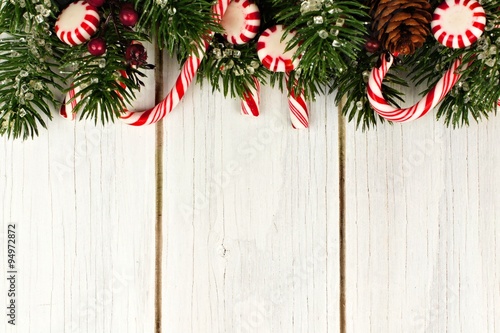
x=92, y=52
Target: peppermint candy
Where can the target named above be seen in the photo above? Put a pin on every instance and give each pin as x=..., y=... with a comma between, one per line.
x=77, y=23
x=458, y=23
x=241, y=22
x=271, y=50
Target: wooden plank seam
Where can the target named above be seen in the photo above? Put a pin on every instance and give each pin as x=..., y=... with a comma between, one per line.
x=158, y=191
x=342, y=217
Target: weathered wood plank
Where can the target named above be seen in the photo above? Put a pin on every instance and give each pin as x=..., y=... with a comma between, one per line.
x=422, y=231
x=82, y=198
x=250, y=218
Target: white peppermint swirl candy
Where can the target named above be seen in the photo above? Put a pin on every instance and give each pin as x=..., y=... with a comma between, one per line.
x=458, y=23
x=77, y=23
x=241, y=22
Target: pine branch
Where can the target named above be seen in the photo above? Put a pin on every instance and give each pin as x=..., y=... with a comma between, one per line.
x=29, y=52
x=231, y=68
x=180, y=26
x=329, y=35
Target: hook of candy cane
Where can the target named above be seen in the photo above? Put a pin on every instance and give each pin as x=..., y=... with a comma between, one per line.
x=250, y=104
x=299, y=112
x=428, y=102
x=182, y=83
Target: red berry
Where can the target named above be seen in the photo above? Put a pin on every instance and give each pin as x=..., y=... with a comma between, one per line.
x=128, y=16
x=97, y=46
x=372, y=45
x=136, y=54
x=96, y=3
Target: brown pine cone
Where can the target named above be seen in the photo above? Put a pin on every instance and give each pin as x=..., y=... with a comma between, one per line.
x=401, y=26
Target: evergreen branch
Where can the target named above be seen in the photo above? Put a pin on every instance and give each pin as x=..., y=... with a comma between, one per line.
x=180, y=26
x=231, y=68
x=329, y=35
x=29, y=53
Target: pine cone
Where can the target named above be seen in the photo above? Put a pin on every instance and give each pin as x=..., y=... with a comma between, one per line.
x=401, y=26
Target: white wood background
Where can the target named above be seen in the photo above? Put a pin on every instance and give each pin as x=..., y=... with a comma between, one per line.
x=251, y=223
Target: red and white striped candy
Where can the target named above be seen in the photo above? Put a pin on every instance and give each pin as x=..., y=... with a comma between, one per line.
x=250, y=104
x=299, y=113
x=458, y=23
x=241, y=21
x=428, y=102
x=175, y=95
x=77, y=23
x=271, y=50
x=69, y=104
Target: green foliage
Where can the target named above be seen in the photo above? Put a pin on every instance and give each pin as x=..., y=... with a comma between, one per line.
x=231, y=68
x=180, y=26
x=29, y=54
x=329, y=36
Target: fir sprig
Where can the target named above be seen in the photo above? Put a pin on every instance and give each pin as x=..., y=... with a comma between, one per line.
x=329, y=35
x=29, y=53
x=231, y=68
x=179, y=26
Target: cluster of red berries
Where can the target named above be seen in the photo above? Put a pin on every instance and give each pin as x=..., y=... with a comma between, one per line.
x=128, y=16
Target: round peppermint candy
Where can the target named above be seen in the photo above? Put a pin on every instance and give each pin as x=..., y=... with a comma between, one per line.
x=271, y=50
x=241, y=21
x=77, y=23
x=458, y=23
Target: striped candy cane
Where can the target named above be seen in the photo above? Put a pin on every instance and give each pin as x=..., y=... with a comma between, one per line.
x=70, y=101
x=250, y=104
x=428, y=102
x=299, y=113
x=182, y=83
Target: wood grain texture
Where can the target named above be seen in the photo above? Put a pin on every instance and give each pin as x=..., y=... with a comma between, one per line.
x=250, y=218
x=83, y=200
x=422, y=228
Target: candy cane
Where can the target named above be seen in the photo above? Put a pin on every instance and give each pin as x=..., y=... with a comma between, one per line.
x=70, y=101
x=428, y=102
x=299, y=113
x=251, y=99
x=182, y=83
